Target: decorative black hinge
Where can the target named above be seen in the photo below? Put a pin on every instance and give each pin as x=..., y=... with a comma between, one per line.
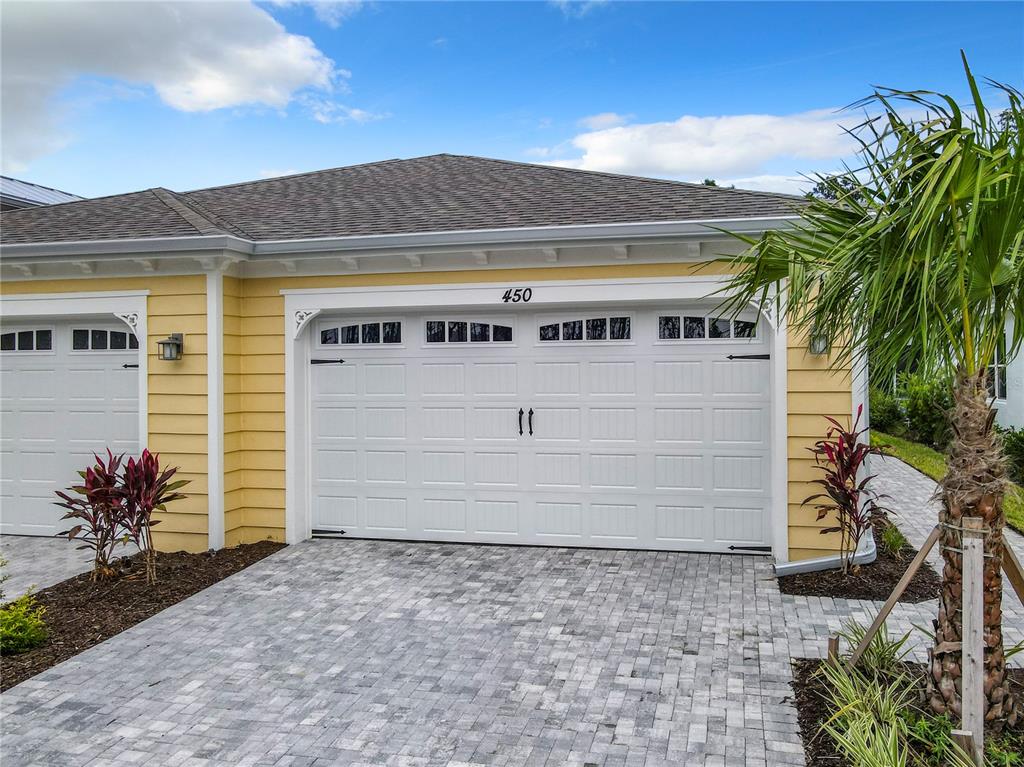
x=750, y=548
x=317, y=533
x=749, y=357
x=326, y=362
x=128, y=365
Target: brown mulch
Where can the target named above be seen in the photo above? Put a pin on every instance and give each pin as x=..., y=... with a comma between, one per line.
x=874, y=581
x=813, y=710
x=80, y=613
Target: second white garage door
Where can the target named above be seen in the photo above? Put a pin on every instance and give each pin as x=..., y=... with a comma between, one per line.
x=592, y=427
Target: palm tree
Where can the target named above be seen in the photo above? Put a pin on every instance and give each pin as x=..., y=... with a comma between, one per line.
x=918, y=257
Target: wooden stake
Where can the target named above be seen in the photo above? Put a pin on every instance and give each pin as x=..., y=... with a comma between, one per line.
x=1014, y=572
x=973, y=650
x=833, y=649
x=915, y=565
x=965, y=742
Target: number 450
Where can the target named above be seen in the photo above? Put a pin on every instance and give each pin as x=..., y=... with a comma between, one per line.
x=518, y=295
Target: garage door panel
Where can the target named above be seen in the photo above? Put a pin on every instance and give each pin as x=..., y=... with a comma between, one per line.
x=385, y=466
x=635, y=445
x=738, y=473
x=495, y=379
x=495, y=469
x=443, y=379
x=386, y=380
x=612, y=424
x=30, y=384
x=384, y=423
x=334, y=422
x=386, y=514
x=685, y=425
x=611, y=378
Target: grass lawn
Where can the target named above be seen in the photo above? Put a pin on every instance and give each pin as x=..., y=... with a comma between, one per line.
x=933, y=463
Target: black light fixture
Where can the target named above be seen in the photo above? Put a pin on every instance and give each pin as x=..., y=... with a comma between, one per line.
x=172, y=346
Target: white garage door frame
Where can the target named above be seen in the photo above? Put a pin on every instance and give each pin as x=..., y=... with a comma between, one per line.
x=302, y=305
x=127, y=306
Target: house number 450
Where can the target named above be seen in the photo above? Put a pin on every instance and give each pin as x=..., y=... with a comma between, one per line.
x=518, y=295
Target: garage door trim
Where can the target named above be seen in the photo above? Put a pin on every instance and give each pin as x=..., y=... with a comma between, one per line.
x=127, y=306
x=301, y=306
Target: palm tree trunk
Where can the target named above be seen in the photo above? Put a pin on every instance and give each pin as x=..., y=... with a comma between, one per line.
x=973, y=487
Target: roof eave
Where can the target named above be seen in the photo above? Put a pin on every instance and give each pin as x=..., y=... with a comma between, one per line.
x=417, y=241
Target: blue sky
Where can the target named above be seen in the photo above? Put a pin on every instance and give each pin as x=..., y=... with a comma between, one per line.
x=113, y=97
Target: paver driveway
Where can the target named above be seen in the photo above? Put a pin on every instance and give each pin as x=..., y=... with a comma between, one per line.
x=335, y=652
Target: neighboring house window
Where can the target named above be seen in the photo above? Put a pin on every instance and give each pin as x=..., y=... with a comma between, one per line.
x=692, y=327
x=363, y=333
x=466, y=331
x=997, y=372
x=588, y=329
x=27, y=340
x=97, y=340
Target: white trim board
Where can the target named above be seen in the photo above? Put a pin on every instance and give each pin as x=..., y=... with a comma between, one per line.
x=215, y=408
x=128, y=306
x=303, y=305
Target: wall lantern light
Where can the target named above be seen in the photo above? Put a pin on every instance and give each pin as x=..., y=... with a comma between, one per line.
x=819, y=344
x=171, y=347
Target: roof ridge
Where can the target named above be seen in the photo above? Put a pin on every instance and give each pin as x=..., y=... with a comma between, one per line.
x=645, y=179
x=303, y=173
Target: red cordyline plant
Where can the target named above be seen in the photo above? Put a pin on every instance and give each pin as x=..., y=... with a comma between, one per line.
x=145, y=489
x=841, y=457
x=117, y=505
x=98, y=511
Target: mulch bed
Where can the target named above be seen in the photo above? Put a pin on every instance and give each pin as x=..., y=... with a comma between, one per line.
x=80, y=613
x=874, y=581
x=813, y=710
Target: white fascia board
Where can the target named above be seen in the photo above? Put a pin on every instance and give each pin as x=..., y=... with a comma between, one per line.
x=127, y=249
x=518, y=237
x=388, y=243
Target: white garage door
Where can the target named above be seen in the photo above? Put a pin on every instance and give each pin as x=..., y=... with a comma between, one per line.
x=592, y=427
x=67, y=390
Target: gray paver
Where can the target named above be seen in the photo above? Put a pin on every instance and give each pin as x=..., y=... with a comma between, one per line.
x=37, y=562
x=362, y=652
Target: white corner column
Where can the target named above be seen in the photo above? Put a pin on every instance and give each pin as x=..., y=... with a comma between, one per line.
x=215, y=407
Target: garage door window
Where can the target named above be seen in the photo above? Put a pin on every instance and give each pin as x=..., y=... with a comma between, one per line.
x=99, y=340
x=466, y=331
x=35, y=340
x=586, y=329
x=683, y=327
x=362, y=333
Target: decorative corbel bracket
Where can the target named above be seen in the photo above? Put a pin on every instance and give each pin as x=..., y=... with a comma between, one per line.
x=131, y=319
x=302, y=318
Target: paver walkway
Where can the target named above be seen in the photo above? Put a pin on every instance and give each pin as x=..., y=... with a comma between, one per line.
x=361, y=652
x=38, y=562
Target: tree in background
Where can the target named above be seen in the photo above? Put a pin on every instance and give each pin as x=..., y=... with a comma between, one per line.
x=916, y=255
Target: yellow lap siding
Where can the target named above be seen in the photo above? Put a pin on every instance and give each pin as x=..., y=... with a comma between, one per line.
x=177, y=390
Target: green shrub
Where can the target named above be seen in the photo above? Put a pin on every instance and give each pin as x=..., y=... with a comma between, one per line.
x=21, y=625
x=927, y=401
x=884, y=655
x=886, y=412
x=892, y=541
x=1013, y=447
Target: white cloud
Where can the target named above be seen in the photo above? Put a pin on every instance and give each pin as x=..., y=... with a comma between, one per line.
x=327, y=111
x=732, y=146
x=330, y=12
x=272, y=173
x=577, y=8
x=603, y=120
x=196, y=57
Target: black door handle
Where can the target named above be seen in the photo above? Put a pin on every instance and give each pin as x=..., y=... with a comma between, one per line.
x=531, y=421
x=520, y=422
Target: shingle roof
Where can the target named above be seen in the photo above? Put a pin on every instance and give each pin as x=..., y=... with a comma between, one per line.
x=426, y=194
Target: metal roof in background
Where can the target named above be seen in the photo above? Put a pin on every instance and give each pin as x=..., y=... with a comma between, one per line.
x=24, y=193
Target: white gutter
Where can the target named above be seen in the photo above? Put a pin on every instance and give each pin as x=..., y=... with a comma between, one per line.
x=420, y=241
